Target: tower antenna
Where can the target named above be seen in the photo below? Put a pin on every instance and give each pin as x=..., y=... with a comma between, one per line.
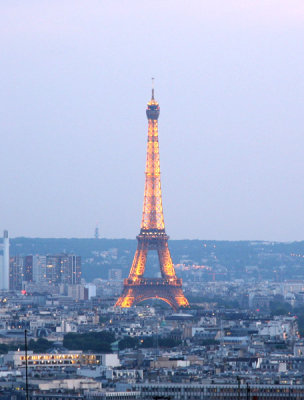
x=96, y=232
x=152, y=88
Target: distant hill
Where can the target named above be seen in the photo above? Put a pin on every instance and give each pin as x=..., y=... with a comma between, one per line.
x=226, y=259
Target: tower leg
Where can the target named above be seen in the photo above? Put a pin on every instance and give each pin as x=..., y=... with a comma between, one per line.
x=126, y=299
x=139, y=261
x=165, y=261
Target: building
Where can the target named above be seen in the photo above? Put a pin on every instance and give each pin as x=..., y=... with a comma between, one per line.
x=77, y=292
x=115, y=274
x=64, y=269
x=28, y=269
x=89, y=395
x=4, y=262
x=126, y=374
x=52, y=272
x=44, y=270
x=70, y=384
x=39, y=268
x=16, y=359
x=220, y=391
x=110, y=360
x=15, y=273
x=71, y=273
x=91, y=290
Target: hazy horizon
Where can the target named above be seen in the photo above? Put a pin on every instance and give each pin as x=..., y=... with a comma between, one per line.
x=170, y=238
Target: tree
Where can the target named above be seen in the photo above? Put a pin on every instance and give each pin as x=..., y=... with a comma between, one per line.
x=39, y=346
x=3, y=348
x=93, y=341
x=128, y=343
x=279, y=307
x=168, y=342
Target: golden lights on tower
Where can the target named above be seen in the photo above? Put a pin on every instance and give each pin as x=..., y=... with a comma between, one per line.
x=152, y=234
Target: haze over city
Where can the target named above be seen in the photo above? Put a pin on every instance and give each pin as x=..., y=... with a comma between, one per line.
x=75, y=80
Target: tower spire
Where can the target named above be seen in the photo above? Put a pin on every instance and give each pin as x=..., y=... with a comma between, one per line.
x=152, y=88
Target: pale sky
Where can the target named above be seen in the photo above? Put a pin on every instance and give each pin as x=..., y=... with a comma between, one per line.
x=75, y=77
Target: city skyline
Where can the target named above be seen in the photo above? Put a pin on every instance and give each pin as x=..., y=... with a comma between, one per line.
x=228, y=78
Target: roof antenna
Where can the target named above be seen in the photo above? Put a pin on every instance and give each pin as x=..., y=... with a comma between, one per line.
x=152, y=88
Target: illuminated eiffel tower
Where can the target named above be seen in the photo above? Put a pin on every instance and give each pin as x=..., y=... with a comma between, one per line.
x=152, y=235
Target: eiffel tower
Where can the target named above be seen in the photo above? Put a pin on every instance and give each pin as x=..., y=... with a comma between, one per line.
x=152, y=235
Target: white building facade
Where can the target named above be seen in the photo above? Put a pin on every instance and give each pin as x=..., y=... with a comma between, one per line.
x=4, y=262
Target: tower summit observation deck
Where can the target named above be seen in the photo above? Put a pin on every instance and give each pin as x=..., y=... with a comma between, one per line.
x=152, y=234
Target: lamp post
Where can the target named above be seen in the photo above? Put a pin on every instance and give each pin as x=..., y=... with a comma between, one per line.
x=26, y=371
x=239, y=387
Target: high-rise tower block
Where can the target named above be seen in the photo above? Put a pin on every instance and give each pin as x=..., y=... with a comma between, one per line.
x=4, y=263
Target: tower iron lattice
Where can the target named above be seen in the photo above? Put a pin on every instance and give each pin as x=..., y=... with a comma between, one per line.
x=152, y=235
